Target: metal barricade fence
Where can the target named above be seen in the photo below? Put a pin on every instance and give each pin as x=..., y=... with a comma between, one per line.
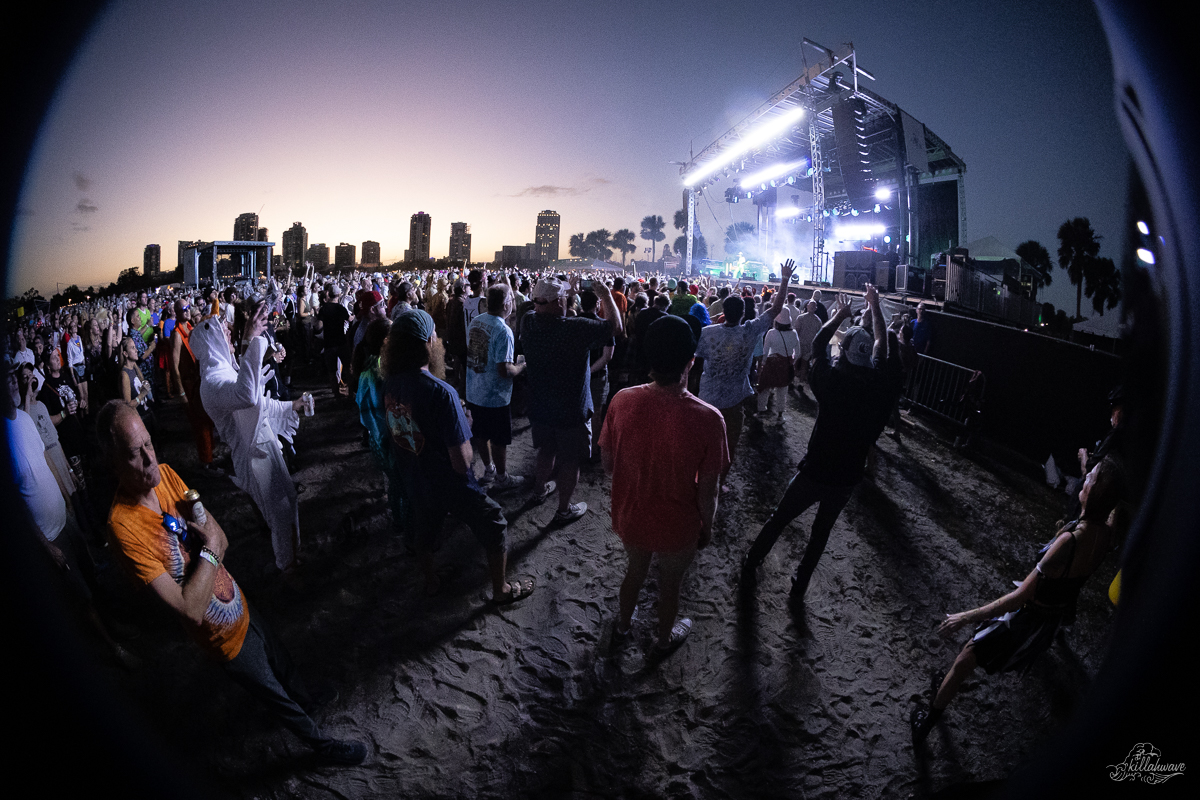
x=938, y=387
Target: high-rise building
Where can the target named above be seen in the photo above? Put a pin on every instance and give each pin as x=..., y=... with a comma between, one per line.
x=460, y=242
x=344, y=255
x=245, y=228
x=370, y=254
x=151, y=260
x=183, y=246
x=418, y=237
x=262, y=235
x=295, y=245
x=318, y=255
x=546, y=236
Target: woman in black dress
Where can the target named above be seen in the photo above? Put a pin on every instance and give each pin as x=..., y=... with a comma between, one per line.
x=1020, y=625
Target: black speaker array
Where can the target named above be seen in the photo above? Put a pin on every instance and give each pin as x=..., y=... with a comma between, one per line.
x=849, y=134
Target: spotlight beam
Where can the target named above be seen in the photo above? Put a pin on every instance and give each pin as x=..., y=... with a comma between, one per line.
x=773, y=171
x=764, y=133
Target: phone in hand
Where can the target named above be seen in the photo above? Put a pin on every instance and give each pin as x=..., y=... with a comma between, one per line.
x=586, y=284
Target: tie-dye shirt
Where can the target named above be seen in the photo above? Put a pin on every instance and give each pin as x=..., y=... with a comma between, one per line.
x=146, y=549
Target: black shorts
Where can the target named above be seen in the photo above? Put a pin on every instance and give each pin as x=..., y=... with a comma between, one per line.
x=491, y=424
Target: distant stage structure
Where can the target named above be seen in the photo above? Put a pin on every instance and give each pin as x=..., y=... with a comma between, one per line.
x=208, y=262
x=832, y=166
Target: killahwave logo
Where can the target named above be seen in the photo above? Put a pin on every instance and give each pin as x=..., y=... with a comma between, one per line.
x=1143, y=764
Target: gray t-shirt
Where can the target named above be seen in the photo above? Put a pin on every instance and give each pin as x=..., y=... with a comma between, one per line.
x=727, y=353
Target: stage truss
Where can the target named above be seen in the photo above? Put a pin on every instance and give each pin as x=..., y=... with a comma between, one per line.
x=888, y=145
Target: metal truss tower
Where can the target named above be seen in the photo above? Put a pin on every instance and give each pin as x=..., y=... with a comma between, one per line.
x=818, y=190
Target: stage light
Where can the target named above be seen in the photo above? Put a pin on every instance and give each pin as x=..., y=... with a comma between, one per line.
x=887, y=240
x=1145, y=256
x=1143, y=227
x=854, y=212
x=767, y=131
x=773, y=171
x=877, y=208
x=787, y=212
x=860, y=232
x=883, y=194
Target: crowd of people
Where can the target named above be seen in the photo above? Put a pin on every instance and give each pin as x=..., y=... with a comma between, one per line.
x=437, y=366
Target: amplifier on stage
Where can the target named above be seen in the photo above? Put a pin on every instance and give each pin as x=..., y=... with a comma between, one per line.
x=853, y=269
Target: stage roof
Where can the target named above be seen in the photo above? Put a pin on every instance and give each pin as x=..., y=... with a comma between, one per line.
x=834, y=77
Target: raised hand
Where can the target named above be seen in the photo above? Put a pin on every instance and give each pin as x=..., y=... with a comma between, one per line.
x=787, y=267
x=871, y=295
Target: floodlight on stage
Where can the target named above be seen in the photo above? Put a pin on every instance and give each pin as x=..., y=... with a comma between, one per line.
x=787, y=212
x=859, y=233
x=1145, y=256
x=760, y=135
x=887, y=240
x=883, y=193
x=1143, y=227
x=877, y=208
x=854, y=212
x=773, y=171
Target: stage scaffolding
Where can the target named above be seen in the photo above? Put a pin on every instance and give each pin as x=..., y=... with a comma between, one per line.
x=888, y=149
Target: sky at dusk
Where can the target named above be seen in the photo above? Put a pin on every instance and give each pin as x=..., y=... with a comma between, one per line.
x=351, y=116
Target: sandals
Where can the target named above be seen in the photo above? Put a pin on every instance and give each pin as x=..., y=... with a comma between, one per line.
x=518, y=589
x=679, y=632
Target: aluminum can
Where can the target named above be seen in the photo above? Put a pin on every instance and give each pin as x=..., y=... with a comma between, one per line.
x=310, y=405
x=192, y=498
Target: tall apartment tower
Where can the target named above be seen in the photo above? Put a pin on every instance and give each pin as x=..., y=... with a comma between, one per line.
x=460, y=242
x=262, y=235
x=245, y=228
x=546, y=237
x=151, y=260
x=295, y=245
x=318, y=254
x=370, y=254
x=418, y=237
x=344, y=255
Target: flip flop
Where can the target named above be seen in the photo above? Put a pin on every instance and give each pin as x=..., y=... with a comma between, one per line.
x=518, y=589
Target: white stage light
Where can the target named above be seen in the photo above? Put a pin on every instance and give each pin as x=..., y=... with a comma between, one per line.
x=1143, y=227
x=764, y=133
x=1145, y=256
x=883, y=194
x=786, y=212
x=859, y=232
x=773, y=171
x=887, y=240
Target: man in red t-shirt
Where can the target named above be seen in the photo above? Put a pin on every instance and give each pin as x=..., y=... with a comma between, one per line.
x=664, y=476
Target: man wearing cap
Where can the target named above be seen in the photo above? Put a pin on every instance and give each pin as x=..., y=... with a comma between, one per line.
x=664, y=476
x=431, y=446
x=557, y=349
x=727, y=350
x=855, y=396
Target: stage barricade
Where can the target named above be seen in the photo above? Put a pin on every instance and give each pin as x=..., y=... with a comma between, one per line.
x=938, y=387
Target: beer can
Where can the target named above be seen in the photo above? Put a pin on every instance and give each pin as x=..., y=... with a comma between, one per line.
x=192, y=498
x=310, y=405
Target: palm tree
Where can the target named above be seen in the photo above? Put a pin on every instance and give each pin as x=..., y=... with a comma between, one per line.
x=681, y=219
x=737, y=236
x=652, y=231
x=1037, y=257
x=1103, y=284
x=623, y=241
x=600, y=244
x=578, y=247
x=1078, y=246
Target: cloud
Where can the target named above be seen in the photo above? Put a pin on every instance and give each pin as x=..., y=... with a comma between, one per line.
x=86, y=206
x=82, y=182
x=548, y=190
x=75, y=226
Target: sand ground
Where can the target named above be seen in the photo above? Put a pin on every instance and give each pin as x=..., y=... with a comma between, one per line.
x=456, y=699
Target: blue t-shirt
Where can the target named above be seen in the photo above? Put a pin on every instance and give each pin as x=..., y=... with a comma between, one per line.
x=922, y=333
x=489, y=342
x=425, y=419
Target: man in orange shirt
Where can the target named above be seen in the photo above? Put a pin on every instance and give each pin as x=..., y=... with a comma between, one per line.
x=181, y=562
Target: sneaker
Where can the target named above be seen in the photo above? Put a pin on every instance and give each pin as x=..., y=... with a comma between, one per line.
x=548, y=488
x=679, y=632
x=343, y=752
x=489, y=475
x=571, y=513
x=508, y=482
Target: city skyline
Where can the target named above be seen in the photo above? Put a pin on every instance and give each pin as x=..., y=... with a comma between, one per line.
x=139, y=145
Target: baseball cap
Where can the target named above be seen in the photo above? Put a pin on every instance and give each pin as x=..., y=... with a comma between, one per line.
x=857, y=346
